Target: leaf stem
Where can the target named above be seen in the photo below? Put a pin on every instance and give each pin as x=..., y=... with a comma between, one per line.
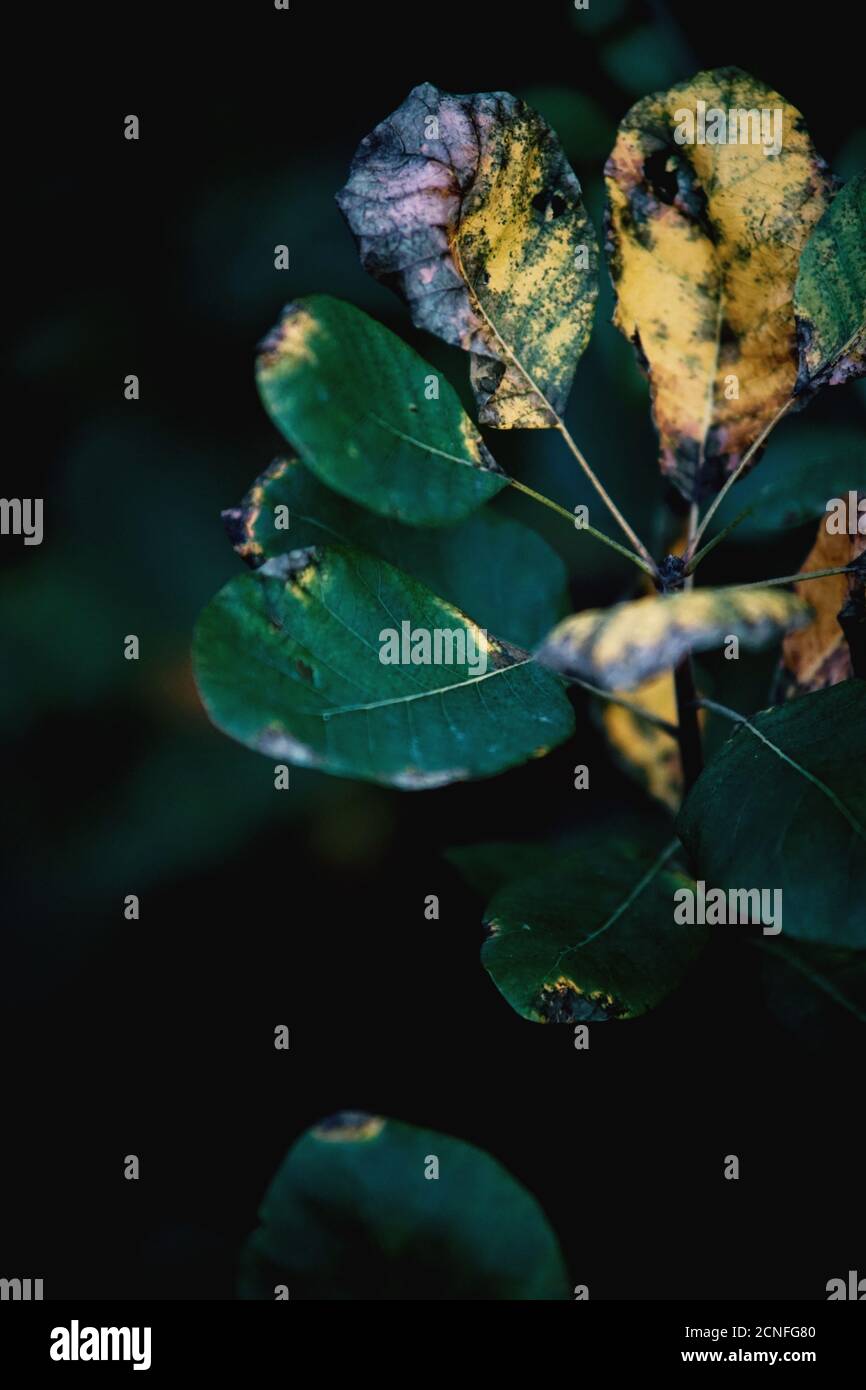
x=795, y=578
x=737, y=473
x=625, y=704
x=599, y=535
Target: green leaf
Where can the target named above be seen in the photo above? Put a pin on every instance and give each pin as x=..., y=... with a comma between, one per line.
x=813, y=990
x=467, y=206
x=783, y=805
x=287, y=660
x=351, y=1215
x=803, y=467
x=830, y=295
x=371, y=418
x=620, y=647
x=503, y=573
x=591, y=936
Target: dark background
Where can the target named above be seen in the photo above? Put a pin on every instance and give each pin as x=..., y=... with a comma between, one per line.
x=306, y=908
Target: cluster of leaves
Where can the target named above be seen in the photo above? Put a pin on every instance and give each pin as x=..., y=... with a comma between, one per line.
x=728, y=264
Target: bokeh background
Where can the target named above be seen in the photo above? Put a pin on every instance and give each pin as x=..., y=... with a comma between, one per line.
x=155, y=1037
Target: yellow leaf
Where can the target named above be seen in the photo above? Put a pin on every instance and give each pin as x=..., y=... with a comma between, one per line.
x=704, y=242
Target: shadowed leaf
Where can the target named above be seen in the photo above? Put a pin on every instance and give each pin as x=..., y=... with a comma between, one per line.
x=818, y=655
x=783, y=806
x=287, y=660
x=467, y=206
x=815, y=991
x=503, y=573
x=356, y=403
x=830, y=297
x=350, y=1215
x=592, y=935
x=704, y=241
x=646, y=751
x=620, y=647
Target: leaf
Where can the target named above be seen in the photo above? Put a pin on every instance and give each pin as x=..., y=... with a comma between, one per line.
x=487, y=866
x=353, y=400
x=502, y=572
x=818, y=654
x=287, y=661
x=468, y=208
x=704, y=241
x=646, y=751
x=351, y=1215
x=830, y=295
x=620, y=647
x=813, y=990
x=591, y=936
x=799, y=472
x=783, y=806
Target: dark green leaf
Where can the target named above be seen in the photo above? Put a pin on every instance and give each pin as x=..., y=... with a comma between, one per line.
x=371, y=418
x=830, y=295
x=503, y=573
x=592, y=936
x=351, y=1215
x=783, y=805
x=287, y=660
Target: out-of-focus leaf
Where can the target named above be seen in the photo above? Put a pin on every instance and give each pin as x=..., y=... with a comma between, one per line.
x=830, y=295
x=645, y=57
x=371, y=418
x=591, y=936
x=704, y=242
x=646, y=751
x=584, y=129
x=783, y=806
x=503, y=573
x=620, y=647
x=804, y=466
x=818, y=655
x=350, y=1214
x=467, y=206
x=487, y=866
x=287, y=660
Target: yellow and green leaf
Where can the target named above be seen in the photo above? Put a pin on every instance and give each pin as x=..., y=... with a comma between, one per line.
x=704, y=243
x=467, y=206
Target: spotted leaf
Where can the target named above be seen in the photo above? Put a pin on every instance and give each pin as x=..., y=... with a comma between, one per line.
x=830, y=295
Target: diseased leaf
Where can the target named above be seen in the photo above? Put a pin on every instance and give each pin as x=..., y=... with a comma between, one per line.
x=830, y=295
x=350, y=1215
x=704, y=241
x=287, y=660
x=591, y=936
x=783, y=806
x=359, y=406
x=648, y=752
x=818, y=655
x=620, y=647
x=503, y=573
x=801, y=469
x=468, y=208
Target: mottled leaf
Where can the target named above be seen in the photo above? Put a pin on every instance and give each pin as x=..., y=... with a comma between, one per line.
x=287, y=660
x=704, y=241
x=818, y=655
x=830, y=296
x=503, y=573
x=350, y=1215
x=620, y=647
x=370, y=417
x=783, y=806
x=468, y=208
x=592, y=935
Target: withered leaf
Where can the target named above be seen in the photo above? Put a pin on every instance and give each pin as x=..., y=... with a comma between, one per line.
x=830, y=295
x=620, y=647
x=468, y=208
x=818, y=655
x=704, y=241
